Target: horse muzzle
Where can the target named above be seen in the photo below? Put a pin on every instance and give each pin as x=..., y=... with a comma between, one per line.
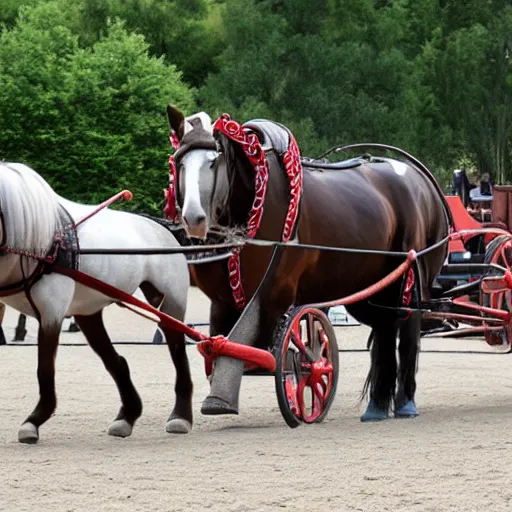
x=196, y=226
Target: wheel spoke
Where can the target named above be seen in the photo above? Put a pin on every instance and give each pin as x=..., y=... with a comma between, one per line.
x=325, y=350
x=313, y=334
x=306, y=351
x=319, y=394
x=500, y=301
x=504, y=257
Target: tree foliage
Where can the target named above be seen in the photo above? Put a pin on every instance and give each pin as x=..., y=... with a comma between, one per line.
x=91, y=120
x=426, y=75
x=84, y=84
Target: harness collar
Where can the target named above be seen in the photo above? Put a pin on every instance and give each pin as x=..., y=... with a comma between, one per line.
x=64, y=251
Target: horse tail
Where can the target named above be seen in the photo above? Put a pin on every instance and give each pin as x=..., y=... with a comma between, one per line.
x=380, y=383
x=370, y=340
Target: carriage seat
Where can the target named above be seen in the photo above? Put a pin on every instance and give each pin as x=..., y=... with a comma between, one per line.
x=462, y=220
x=271, y=135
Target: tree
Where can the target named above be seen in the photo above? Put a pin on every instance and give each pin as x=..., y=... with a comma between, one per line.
x=185, y=32
x=475, y=86
x=90, y=120
x=335, y=67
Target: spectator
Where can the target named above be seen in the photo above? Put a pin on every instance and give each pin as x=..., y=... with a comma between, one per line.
x=485, y=184
x=461, y=185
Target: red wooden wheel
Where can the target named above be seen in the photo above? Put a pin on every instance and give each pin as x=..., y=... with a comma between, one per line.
x=499, y=252
x=307, y=366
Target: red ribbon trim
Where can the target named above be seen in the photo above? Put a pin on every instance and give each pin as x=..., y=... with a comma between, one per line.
x=256, y=156
x=253, y=151
x=293, y=168
x=409, y=285
x=170, y=208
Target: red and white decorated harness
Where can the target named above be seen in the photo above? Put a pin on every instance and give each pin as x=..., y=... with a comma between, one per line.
x=252, y=149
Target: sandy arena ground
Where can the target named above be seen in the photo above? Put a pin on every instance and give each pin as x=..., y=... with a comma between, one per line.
x=456, y=455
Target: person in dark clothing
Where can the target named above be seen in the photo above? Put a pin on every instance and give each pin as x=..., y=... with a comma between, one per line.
x=461, y=185
x=485, y=184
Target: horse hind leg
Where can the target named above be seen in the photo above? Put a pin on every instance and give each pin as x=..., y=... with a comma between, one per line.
x=408, y=350
x=181, y=418
x=94, y=330
x=381, y=379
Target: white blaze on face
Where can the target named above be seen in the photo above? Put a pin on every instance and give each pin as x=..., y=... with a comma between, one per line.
x=192, y=163
x=197, y=181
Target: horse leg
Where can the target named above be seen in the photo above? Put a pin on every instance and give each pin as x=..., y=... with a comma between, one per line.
x=181, y=418
x=381, y=378
x=223, y=318
x=20, y=332
x=93, y=329
x=47, y=342
x=271, y=300
x=408, y=351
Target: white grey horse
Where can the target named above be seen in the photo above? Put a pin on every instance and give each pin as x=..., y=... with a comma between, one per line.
x=32, y=215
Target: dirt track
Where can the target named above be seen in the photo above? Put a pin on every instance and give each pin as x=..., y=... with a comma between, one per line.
x=456, y=456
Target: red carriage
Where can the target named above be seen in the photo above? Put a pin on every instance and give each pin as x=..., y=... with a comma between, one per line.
x=476, y=275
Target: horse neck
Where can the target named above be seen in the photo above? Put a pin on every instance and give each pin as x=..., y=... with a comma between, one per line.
x=77, y=211
x=241, y=181
x=276, y=201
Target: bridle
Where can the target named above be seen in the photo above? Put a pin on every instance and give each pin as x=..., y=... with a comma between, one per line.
x=195, y=139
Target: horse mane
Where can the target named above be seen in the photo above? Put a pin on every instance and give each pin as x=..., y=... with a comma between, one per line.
x=240, y=176
x=30, y=209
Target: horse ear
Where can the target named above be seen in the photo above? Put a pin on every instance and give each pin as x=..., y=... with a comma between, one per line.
x=176, y=121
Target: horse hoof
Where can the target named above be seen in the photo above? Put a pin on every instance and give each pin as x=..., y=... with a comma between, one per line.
x=214, y=406
x=28, y=433
x=374, y=413
x=178, y=426
x=120, y=428
x=408, y=410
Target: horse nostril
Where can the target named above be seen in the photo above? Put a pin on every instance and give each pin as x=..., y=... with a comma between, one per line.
x=195, y=220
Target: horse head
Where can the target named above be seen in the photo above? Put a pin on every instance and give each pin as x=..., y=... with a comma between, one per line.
x=222, y=173
x=194, y=160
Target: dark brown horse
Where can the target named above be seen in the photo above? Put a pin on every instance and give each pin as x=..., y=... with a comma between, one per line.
x=378, y=204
